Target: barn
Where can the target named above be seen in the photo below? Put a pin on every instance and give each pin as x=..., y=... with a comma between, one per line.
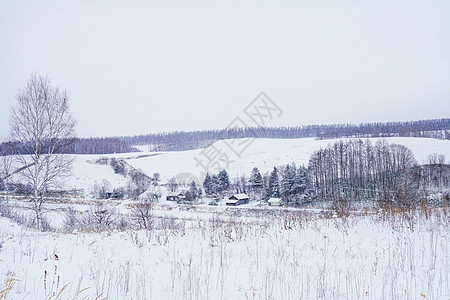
x=237, y=199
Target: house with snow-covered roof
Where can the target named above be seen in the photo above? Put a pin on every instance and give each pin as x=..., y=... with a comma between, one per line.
x=237, y=199
x=275, y=202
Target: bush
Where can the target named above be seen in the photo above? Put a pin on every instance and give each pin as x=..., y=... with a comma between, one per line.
x=142, y=212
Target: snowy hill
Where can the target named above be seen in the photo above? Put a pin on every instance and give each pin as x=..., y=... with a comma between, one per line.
x=261, y=153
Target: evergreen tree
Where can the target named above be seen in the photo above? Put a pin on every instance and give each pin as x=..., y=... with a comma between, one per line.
x=215, y=184
x=273, y=188
x=193, y=190
x=189, y=196
x=224, y=180
x=300, y=186
x=255, y=181
x=207, y=184
x=287, y=183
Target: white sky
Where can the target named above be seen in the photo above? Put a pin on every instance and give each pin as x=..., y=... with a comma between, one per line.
x=135, y=67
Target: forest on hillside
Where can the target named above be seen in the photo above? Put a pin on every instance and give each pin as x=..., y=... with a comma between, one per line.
x=184, y=140
x=188, y=140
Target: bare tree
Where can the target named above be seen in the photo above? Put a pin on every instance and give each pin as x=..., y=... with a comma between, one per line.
x=42, y=129
x=173, y=184
x=436, y=170
x=435, y=159
x=5, y=164
x=142, y=212
x=360, y=170
x=100, y=216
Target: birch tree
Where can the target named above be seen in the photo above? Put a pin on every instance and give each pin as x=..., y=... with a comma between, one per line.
x=42, y=129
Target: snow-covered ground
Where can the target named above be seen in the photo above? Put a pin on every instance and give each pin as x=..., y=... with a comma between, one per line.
x=261, y=153
x=291, y=255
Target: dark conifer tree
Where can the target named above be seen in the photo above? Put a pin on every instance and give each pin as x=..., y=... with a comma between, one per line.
x=215, y=184
x=287, y=183
x=300, y=185
x=255, y=181
x=193, y=189
x=224, y=180
x=207, y=184
x=273, y=188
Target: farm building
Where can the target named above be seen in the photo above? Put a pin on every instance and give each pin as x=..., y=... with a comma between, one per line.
x=175, y=197
x=237, y=199
x=275, y=202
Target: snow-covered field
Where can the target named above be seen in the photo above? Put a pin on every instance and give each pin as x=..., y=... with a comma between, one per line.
x=261, y=153
x=232, y=255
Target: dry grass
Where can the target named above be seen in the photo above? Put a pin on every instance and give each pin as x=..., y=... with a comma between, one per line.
x=8, y=286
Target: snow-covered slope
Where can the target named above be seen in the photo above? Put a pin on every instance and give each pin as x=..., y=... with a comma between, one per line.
x=86, y=173
x=261, y=153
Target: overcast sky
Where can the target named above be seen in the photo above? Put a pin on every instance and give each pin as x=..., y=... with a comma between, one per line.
x=135, y=67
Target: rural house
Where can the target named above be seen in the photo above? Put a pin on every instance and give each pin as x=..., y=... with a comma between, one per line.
x=175, y=197
x=275, y=202
x=237, y=199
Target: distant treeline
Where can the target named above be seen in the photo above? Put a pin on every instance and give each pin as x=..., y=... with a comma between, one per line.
x=81, y=146
x=181, y=140
x=100, y=146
